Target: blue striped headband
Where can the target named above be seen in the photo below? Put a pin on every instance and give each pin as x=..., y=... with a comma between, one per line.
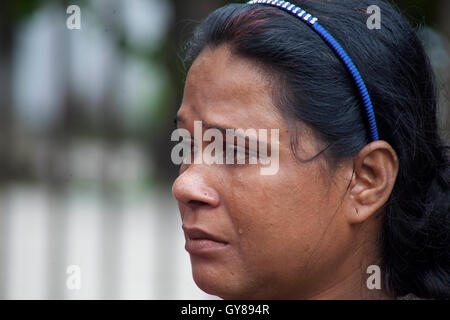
x=337, y=48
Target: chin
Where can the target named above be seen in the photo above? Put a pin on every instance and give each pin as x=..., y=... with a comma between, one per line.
x=211, y=283
x=217, y=283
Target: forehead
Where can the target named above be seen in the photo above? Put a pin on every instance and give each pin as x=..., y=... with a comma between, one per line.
x=225, y=88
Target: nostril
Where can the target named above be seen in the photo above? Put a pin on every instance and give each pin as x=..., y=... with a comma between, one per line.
x=192, y=190
x=197, y=203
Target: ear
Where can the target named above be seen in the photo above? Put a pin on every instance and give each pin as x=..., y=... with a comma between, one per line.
x=375, y=172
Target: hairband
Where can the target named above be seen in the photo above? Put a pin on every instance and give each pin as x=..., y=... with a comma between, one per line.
x=342, y=54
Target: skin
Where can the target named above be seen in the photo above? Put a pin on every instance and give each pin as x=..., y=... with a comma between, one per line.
x=294, y=235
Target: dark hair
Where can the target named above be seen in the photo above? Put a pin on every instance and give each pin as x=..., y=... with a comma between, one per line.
x=314, y=87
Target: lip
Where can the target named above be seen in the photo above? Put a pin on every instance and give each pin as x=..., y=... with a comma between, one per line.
x=199, y=241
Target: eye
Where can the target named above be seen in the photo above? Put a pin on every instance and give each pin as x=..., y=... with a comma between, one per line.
x=236, y=152
x=252, y=154
x=191, y=146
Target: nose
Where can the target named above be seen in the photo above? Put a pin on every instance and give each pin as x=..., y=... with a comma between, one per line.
x=192, y=189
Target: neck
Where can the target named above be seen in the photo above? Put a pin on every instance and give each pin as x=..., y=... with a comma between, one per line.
x=353, y=286
x=351, y=279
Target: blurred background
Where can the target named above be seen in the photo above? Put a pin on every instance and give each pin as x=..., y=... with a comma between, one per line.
x=85, y=123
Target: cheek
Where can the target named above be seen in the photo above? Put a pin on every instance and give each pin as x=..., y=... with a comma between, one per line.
x=277, y=217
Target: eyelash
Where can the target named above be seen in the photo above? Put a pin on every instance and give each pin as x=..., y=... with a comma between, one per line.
x=235, y=150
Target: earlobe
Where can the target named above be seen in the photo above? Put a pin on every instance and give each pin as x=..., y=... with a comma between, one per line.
x=375, y=172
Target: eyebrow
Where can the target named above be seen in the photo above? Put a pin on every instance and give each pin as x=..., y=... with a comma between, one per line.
x=180, y=119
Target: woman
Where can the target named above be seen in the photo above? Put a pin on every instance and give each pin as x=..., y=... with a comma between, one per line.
x=363, y=178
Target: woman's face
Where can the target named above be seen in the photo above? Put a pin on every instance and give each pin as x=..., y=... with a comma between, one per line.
x=250, y=235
